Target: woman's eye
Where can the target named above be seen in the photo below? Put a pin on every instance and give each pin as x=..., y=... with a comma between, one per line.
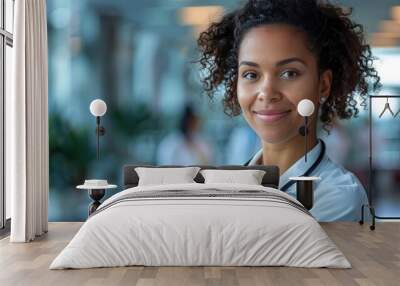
x=289, y=74
x=250, y=75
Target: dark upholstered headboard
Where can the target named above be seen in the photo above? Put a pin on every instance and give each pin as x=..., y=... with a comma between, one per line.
x=270, y=179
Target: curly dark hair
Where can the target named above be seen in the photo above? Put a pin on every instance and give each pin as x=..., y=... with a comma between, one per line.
x=336, y=41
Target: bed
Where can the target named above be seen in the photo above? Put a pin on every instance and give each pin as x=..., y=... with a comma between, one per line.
x=201, y=224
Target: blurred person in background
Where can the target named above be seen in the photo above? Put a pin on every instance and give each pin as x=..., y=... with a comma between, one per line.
x=242, y=143
x=185, y=146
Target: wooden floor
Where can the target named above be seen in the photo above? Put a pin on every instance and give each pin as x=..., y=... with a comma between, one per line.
x=374, y=255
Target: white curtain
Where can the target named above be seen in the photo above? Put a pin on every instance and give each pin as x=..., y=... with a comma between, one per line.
x=27, y=124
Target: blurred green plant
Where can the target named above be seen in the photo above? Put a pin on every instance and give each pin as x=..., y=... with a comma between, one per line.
x=129, y=122
x=73, y=151
x=69, y=151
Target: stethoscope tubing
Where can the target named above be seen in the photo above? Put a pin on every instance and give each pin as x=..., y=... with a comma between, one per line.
x=309, y=170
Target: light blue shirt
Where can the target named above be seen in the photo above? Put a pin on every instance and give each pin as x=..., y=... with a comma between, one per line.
x=338, y=196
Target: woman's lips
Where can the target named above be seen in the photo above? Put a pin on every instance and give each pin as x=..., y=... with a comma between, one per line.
x=271, y=117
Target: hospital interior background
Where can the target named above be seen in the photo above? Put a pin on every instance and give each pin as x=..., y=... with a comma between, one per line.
x=138, y=56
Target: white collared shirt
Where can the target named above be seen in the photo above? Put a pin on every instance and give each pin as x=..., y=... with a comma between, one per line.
x=338, y=196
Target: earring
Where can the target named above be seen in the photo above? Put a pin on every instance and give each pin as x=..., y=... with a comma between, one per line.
x=322, y=99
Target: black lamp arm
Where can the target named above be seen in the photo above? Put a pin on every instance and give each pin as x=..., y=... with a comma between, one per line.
x=303, y=130
x=100, y=130
x=306, y=133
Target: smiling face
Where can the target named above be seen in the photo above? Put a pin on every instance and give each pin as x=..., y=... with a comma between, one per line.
x=276, y=71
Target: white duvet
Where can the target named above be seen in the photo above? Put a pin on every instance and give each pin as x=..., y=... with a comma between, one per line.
x=183, y=231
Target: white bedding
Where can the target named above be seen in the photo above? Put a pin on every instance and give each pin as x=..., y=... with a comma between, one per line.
x=182, y=231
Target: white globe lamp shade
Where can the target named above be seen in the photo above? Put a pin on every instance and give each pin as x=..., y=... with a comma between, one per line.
x=305, y=107
x=98, y=107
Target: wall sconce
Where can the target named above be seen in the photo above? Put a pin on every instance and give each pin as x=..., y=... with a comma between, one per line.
x=305, y=108
x=98, y=108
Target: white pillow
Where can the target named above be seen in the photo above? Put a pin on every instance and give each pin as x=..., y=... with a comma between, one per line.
x=162, y=176
x=249, y=177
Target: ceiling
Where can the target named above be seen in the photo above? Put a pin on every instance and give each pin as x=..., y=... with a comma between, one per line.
x=368, y=12
x=163, y=15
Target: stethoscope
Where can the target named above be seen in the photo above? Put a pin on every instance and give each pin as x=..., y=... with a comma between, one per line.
x=309, y=170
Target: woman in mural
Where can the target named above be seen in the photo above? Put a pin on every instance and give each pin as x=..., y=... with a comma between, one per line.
x=271, y=54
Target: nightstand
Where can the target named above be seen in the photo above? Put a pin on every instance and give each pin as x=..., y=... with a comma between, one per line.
x=96, y=193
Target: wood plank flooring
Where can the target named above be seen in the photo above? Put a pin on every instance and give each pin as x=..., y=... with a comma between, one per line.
x=374, y=255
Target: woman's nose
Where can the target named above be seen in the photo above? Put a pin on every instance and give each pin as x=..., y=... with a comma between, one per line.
x=268, y=91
